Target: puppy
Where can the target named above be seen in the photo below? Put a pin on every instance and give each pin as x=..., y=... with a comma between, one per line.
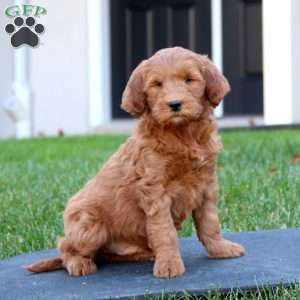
x=165, y=171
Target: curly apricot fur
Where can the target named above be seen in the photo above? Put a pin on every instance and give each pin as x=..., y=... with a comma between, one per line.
x=164, y=172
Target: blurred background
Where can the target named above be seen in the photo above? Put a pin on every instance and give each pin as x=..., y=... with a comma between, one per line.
x=72, y=82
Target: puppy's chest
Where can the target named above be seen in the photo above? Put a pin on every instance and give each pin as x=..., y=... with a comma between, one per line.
x=187, y=178
x=191, y=165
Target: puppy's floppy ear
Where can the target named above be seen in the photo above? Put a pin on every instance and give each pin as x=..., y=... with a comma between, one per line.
x=134, y=98
x=217, y=85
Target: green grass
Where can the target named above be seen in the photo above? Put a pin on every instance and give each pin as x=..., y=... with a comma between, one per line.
x=264, y=293
x=259, y=185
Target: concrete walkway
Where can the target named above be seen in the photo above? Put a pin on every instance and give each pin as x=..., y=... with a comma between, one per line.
x=272, y=258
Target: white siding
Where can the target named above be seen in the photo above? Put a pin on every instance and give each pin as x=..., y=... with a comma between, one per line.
x=281, y=32
x=7, y=127
x=217, y=44
x=99, y=63
x=296, y=60
x=59, y=70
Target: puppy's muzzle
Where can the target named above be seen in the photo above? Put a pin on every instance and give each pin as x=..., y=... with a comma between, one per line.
x=175, y=105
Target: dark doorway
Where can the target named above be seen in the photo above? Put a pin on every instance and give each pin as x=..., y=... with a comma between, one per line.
x=242, y=56
x=141, y=27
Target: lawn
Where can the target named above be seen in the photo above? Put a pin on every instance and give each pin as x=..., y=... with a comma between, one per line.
x=259, y=175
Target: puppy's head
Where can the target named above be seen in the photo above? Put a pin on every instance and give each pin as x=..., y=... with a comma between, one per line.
x=174, y=86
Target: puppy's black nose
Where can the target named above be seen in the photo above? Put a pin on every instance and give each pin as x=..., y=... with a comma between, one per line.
x=175, y=105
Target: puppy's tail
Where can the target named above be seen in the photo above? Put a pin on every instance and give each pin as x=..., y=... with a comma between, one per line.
x=45, y=265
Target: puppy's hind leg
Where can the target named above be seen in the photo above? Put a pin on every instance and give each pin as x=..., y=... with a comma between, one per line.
x=85, y=235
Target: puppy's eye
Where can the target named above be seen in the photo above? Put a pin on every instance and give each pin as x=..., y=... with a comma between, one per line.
x=188, y=79
x=157, y=83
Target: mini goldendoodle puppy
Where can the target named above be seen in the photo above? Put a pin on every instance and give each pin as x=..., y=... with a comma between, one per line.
x=164, y=172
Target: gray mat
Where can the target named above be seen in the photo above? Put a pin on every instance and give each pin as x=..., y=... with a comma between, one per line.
x=272, y=258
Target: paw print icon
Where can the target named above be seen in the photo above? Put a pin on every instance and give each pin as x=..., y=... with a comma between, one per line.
x=24, y=31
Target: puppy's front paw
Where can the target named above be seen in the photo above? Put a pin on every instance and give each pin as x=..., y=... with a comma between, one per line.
x=225, y=249
x=168, y=267
x=80, y=266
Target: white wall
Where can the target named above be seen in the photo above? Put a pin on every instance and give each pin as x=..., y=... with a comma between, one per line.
x=217, y=43
x=59, y=70
x=296, y=60
x=281, y=39
x=7, y=127
x=59, y=67
x=99, y=63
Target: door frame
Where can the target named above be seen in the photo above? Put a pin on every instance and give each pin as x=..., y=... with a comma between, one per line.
x=217, y=43
x=99, y=65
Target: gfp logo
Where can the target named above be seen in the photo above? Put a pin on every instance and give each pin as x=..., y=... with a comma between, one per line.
x=24, y=30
